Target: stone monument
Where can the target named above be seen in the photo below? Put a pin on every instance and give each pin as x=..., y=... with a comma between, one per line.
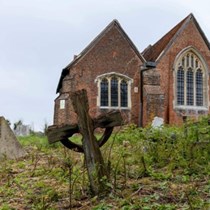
x=9, y=146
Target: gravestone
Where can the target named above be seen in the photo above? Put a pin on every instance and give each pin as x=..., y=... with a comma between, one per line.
x=157, y=122
x=22, y=130
x=9, y=146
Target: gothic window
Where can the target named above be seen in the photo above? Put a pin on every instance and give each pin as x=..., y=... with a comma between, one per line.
x=114, y=91
x=191, y=82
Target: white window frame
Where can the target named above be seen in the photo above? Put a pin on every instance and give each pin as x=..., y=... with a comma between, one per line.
x=120, y=78
x=191, y=51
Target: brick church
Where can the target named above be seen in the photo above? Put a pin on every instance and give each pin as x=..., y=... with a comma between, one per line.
x=169, y=79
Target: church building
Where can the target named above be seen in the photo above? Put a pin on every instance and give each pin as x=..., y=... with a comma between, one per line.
x=169, y=79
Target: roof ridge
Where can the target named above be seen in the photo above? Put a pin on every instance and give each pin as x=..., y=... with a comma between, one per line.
x=152, y=53
x=201, y=31
x=114, y=21
x=92, y=44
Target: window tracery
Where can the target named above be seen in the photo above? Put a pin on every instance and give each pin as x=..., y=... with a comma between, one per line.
x=191, y=82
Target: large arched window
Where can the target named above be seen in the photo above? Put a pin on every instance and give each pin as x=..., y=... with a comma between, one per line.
x=114, y=91
x=191, y=91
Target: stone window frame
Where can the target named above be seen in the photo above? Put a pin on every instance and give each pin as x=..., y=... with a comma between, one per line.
x=120, y=78
x=189, y=59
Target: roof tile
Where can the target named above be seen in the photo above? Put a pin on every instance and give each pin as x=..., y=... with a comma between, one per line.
x=151, y=53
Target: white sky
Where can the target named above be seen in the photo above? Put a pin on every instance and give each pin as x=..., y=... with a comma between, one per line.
x=38, y=38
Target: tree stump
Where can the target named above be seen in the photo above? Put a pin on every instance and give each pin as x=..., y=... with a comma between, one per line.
x=96, y=168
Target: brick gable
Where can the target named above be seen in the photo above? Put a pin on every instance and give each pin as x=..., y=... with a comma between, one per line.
x=112, y=51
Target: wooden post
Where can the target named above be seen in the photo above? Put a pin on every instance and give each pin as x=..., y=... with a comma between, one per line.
x=97, y=171
x=94, y=161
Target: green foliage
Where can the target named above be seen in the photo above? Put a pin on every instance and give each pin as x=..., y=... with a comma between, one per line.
x=34, y=140
x=6, y=207
x=103, y=206
x=165, y=168
x=186, y=147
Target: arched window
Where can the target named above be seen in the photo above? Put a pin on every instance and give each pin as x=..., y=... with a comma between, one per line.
x=114, y=91
x=191, y=82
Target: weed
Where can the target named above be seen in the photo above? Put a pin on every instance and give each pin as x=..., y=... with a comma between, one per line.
x=165, y=168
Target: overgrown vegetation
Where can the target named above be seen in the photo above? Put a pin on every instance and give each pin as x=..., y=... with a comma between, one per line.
x=166, y=168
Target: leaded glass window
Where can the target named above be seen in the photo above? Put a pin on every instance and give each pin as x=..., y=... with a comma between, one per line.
x=180, y=86
x=190, y=81
x=104, y=92
x=124, y=93
x=190, y=87
x=199, y=88
x=114, y=92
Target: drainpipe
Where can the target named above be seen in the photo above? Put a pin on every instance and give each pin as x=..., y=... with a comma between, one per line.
x=146, y=66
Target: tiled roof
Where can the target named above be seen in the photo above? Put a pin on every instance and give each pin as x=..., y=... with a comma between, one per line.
x=153, y=52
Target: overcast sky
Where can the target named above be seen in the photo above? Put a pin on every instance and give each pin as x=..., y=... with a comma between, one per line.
x=38, y=38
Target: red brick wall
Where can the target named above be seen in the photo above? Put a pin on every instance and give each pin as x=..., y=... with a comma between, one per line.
x=190, y=36
x=112, y=53
x=153, y=96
